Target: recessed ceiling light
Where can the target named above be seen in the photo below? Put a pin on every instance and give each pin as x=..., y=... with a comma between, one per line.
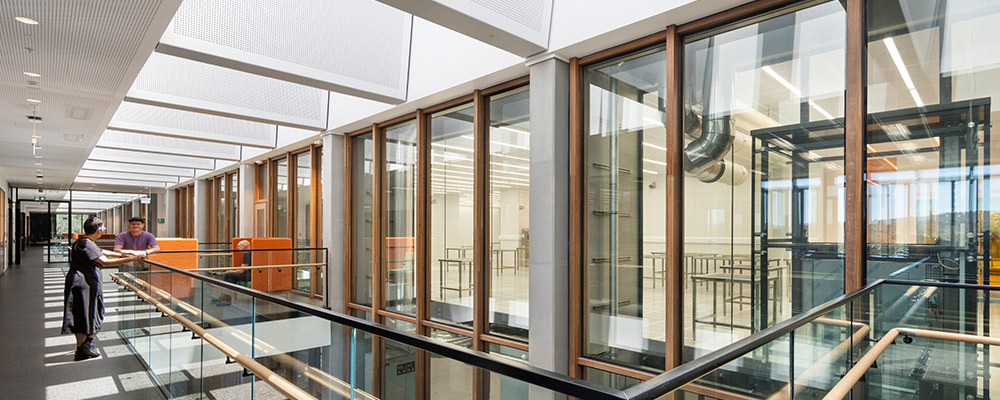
x=36, y=101
x=33, y=74
x=26, y=20
x=37, y=156
x=38, y=164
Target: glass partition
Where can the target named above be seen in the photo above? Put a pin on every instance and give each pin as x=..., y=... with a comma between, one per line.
x=625, y=214
x=400, y=218
x=451, y=215
x=932, y=214
x=362, y=157
x=281, y=198
x=509, y=164
x=303, y=200
x=764, y=178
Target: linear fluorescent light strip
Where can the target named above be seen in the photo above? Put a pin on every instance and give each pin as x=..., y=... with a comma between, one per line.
x=898, y=60
x=794, y=90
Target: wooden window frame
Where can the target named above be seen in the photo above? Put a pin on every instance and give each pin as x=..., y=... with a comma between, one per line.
x=481, y=337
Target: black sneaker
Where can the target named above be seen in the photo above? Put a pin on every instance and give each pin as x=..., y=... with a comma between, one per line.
x=80, y=355
x=89, y=349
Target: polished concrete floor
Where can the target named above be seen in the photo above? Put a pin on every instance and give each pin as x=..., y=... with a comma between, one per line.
x=36, y=361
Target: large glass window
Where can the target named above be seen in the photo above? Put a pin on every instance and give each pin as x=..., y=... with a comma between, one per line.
x=624, y=166
x=303, y=200
x=933, y=68
x=400, y=218
x=234, y=205
x=451, y=215
x=219, y=185
x=764, y=178
x=281, y=198
x=509, y=134
x=362, y=157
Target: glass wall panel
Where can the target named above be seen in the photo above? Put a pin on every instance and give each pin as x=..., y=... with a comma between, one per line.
x=281, y=198
x=303, y=199
x=451, y=215
x=399, y=376
x=362, y=157
x=933, y=68
x=400, y=218
x=263, y=183
x=234, y=207
x=450, y=379
x=220, y=211
x=763, y=161
x=509, y=134
x=625, y=211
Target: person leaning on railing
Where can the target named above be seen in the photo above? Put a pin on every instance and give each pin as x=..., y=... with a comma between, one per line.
x=136, y=240
x=84, y=301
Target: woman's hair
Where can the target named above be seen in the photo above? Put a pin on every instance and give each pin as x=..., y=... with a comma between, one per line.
x=91, y=225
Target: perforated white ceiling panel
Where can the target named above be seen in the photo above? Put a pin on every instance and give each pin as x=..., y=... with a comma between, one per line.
x=517, y=26
x=357, y=47
x=191, y=125
x=131, y=157
x=143, y=143
x=86, y=54
x=141, y=169
x=178, y=83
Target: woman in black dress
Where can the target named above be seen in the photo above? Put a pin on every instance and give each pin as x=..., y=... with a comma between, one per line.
x=84, y=299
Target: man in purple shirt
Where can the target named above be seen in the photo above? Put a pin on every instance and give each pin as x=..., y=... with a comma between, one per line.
x=136, y=240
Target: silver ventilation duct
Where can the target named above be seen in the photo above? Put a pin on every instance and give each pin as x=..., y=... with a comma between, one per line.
x=712, y=138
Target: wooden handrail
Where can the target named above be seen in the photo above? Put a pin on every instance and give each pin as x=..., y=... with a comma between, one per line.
x=276, y=381
x=324, y=378
x=854, y=375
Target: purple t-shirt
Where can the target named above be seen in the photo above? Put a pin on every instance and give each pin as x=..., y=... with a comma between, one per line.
x=144, y=241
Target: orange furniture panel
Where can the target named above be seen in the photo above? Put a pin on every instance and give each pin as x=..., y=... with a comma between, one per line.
x=271, y=279
x=179, y=286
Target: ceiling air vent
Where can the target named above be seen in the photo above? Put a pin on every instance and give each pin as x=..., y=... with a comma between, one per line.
x=77, y=113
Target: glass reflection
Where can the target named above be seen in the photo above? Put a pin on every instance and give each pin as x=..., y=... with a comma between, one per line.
x=400, y=218
x=362, y=156
x=763, y=161
x=509, y=148
x=625, y=168
x=932, y=71
x=451, y=215
x=281, y=191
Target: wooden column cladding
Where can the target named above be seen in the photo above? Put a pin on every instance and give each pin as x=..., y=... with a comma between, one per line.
x=855, y=227
x=576, y=221
x=348, y=231
x=481, y=239
x=422, y=233
x=480, y=230
x=378, y=252
x=674, y=277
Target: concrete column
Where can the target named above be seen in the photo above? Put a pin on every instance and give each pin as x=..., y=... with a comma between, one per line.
x=170, y=212
x=333, y=219
x=549, y=219
x=200, y=194
x=246, y=185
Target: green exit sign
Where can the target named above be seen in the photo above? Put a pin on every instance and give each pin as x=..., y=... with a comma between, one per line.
x=39, y=198
x=160, y=220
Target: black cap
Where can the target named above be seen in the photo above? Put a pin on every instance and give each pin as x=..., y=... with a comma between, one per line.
x=140, y=219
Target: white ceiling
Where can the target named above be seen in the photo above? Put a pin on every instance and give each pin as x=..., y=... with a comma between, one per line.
x=88, y=54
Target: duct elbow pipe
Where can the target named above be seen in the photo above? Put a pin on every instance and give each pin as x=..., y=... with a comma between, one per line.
x=703, y=157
